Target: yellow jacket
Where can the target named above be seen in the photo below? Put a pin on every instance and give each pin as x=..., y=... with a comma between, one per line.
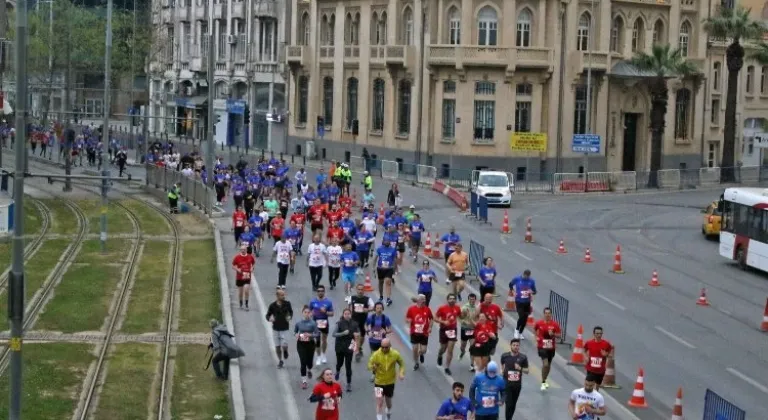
x=383, y=366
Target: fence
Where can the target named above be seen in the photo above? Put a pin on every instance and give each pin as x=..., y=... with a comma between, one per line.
x=559, y=306
x=478, y=207
x=476, y=257
x=193, y=191
x=426, y=174
x=718, y=408
x=390, y=169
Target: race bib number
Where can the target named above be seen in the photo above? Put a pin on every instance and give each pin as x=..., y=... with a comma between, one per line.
x=547, y=344
x=377, y=335
x=525, y=294
x=458, y=273
x=426, y=279
x=595, y=362
x=359, y=307
x=469, y=333
x=246, y=275
x=384, y=264
x=450, y=333
x=418, y=328
x=283, y=255
x=239, y=223
x=489, y=402
x=513, y=376
x=378, y=391
x=329, y=404
x=304, y=337
x=322, y=323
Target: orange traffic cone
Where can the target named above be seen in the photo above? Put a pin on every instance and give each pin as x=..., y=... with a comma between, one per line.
x=531, y=320
x=577, y=356
x=381, y=215
x=609, y=380
x=528, y=232
x=654, y=279
x=428, y=245
x=561, y=249
x=505, y=223
x=638, y=394
x=368, y=286
x=677, y=411
x=702, y=300
x=510, y=306
x=587, y=256
x=617, y=262
x=764, y=324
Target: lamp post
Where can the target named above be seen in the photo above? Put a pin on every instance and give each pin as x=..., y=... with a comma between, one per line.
x=590, y=44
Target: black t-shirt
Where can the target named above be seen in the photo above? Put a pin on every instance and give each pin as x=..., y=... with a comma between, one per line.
x=512, y=376
x=358, y=303
x=344, y=342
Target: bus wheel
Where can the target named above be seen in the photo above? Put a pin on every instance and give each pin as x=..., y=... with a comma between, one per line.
x=741, y=258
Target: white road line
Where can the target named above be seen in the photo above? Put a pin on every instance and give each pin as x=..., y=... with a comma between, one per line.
x=611, y=302
x=674, y=337
x=748, y=380
x=563, y=276
x=504, y=241
x=523, y=256
x=545, y=248
x=724, y=311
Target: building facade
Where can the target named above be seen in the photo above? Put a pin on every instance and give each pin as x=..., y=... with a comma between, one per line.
x=488, y=69
x=248, y=52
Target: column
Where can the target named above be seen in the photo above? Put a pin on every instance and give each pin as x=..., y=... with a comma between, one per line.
x=467, y=22
x=541, y=26
x=364, y=87
x=603, y=26
x=315, y=82
x=339, y=84
x=440, y=21
x=537, y=101
x=509, y=16
x=393, y=18
x=602, y=108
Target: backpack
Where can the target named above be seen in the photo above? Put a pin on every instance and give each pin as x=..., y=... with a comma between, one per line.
x=228, y=346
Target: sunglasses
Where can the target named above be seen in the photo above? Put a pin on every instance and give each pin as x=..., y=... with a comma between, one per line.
x=385, y=347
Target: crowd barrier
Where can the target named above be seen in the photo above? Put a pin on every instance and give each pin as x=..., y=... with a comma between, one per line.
x=478, y=207
x=476, y=257
x=559, y=306
x=390, y=169
x=192, y=190
x=718, y=408
x=426, y=174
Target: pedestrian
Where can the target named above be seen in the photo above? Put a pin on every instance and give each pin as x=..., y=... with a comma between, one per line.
x=392, y=195
x=514, y=364
x=280, y=313
x=346, y=334
x=524, y=287
x=487, y=393
x=173, y=199
x=121, y=158
x=305, y=331
x=224, y=349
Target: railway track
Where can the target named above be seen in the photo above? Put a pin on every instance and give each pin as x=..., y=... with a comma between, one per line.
x=36, y=243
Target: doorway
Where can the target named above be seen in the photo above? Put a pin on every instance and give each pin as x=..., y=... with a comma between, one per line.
x=630, y=141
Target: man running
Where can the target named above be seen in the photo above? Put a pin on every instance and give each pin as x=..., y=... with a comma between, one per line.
x=457, y=407
x=349, y=263
x=243, y=265
x=279, y=314
x=597, y=351
x=487, y=393
x=547, y=330
x=416, y=228
x=469, y=313
x=282, y=252
x=514, y=364
x=524, y=287
x=238, y=223
x=447, y=316
x=361, y=305
x=450, y=240
x=322, y=310
x=457, y=265
x=424, y=278
x=586, y=403
x=333, y=253
x=293, y=233
x=378, y=326
x=419, y=317
x=385, y=269
x=384, y=365
x=316, y=260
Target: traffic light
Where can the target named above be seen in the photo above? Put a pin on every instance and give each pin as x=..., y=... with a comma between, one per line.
x=355, y=127
x=247, y=114
x=218, y=118
x=320, y=121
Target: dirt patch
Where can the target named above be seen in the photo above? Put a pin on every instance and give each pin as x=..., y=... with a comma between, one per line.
x=192, y=225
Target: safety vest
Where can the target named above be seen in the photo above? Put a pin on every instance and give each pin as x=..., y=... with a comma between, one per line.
x=173, y=194
x=347, y=174
x=368, y=182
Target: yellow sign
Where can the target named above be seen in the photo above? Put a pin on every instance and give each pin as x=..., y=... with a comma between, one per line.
x=528, y=142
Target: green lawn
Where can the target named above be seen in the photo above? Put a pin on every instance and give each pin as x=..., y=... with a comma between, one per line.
x=145, y=308
x=53, y=376
x=117, y=220
x=197, y=394
x=63, y=221
x=131, y=369
x=33, y=220
x=152, y=223
x=200, y=295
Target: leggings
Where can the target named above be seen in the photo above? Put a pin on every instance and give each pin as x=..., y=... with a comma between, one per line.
x=344, y=358
x=282, y=274
x=333, y=274
x=523, y=311
x=316, y=274
x=306, y=354
x=513, y=393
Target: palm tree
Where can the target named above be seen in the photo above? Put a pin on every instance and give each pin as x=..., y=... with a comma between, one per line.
x=734, y=25
x=663, y=63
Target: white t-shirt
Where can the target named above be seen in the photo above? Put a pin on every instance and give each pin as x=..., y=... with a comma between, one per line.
x=370, y=225
x=334, y=255
x=582, y=398
x=316, y=255
x=283, y=250
x=264, y=216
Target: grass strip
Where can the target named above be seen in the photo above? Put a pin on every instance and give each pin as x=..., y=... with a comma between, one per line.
x=117, y=221
x=53, y=375
x=63, y=219
x=130, y=373
x=200, y=295
x=82, y=299
x=33, y=220
x=196, y=393
x=145, y=308
x=151, y=222
x=36, y=273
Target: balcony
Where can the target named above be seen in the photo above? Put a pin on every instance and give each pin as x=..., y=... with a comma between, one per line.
x=238, y=10
x=297, y=55
x=580, y=61
x=327, y=52
x=377, y=54
x=688, y=5
x=400, y=55
x=351, y=53
x=201, y=13
x=183, y=14
x=265, y=9
x=482, y=56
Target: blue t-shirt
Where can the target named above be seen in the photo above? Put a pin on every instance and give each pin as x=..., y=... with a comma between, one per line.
x=316, y=304
x=362, y=240
x=386, y=257
x=416, y=228
x=293, y=235
x=450, y=240
x=310, y=197
x=238, y=190
x=524, y=288
x=320, y=179
x=389, y=221
x=255, y=222
x=248, y=238
x=459, y=409
x=487, y=275
x=333, y=193
x=487, y=393
x=348, y=227
x=424, y=278
x=349, y=260
x=322, y=194
x=377, y=325
x=391, y=237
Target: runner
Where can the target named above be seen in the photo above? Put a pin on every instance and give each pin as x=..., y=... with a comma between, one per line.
x=468, y=316
x=456, y=266
x=378, y=326
x=306, y=331
x=349, y=263
x=597, y=351
x=586, y=403
x=299, y=218
x=238, y=223
x=419, y=317
x=416, y=227
x=327, y=393
x=424, y=278
x=276, y=225
x=247, y=239
x=243, y=264
x=316, y=256
x=547, y=330
x=457, y=407
x=487, y=277
x=347, y=333
x=361, y=306
x=293, y=233
x=256, y=223
x=481, y=345
x=385, y=262
x=335, y=232
x=333, y=256
x=392, y=236
x=282, y=252
x=402, y=238
x=514, y=364
x=322, y=310
x=447, y=316
x=279, y=314
x=524, y=287
x=495, y=316
x=383, y=363
x=271, y=206
x=487, y=393
x=450, y=240
x=316, y=214
x=363, y=240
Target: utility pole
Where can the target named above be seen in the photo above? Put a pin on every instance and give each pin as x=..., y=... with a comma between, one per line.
x=105, y=129
x=420, y=87
x=132, y=77
x=16, y=289
x=68, y=139
x=211, y=117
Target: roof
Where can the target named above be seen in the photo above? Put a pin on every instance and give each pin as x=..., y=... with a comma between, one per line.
x=627, y=69
x=753, y=197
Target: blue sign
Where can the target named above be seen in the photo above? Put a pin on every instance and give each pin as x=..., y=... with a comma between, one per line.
x=235, y=106
x=586, y=143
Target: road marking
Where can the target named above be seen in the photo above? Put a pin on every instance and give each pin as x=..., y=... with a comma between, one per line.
x=545, y=248
x=523, y=256
x=611, y=302
x=724, y=311
x=503, y=240
x=748, y=380
x=674, y=337
x=563, y=276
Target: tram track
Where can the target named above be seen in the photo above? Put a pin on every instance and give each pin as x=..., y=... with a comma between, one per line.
x=37, y=242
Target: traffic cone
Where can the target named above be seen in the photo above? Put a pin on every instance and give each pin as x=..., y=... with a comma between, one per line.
x=505, y=223
x=638, y=394
x=609, y=380
x=587, y=256
x=617, y=262
x=531, y=320
x=428, y=245
x=702, y=300
x=528, y=232
x=577, y=356
x=764, y=324
x=654, y=280
x=561, y=249
x=510, y=306
x=677, y=411
x=368, y=286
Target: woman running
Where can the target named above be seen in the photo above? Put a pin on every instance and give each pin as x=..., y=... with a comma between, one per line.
x=327, y=393
x=347, y=333
x=306, y=331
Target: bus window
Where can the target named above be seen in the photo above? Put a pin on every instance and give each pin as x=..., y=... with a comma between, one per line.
x=727, y=221
x=720, y=205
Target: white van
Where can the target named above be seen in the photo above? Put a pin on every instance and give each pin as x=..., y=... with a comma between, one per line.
x=496, y=186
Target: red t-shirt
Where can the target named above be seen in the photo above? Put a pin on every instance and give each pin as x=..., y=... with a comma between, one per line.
x=299, y=218
x=245, y=263
x=238, y=219
x=546, y=334
x=277, y=226
x=595, y=358
x=421, y=319
x=448, y=313
x=483, y=332
x=335, y=233
x=333, y=216
x=327, y=408
x=345, y=201
x=316, y=214
x=493, y=313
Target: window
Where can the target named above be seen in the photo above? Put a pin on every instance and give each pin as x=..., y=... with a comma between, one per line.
x=303, y=99
x=617, y=32
x=351, y=101
x=763, y=79
x=449, y=118
x=485, y=88
x=682, y=113
x=487, y=24
x=582, y=34
x=352, y=29
x=580, y=111
x=407, y=27
x=484, y=120
x=304, y=37
x=454, y=27
x=750, y=83
x=330, y=30
x=715, y=117
x=658, y=32
x=404, y=108
x=638, y=38
x=267, y=46
x=524, y=20
x=716, y=76
x=449, y=86
x=328, y=100
x=712, y=155
x=378, y=105
x=523, y=108
x=685, y=38
x=379, y=29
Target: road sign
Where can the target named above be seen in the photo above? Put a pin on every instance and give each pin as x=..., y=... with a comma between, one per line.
x=528, y=142
x=760, y=140
x=586, y=143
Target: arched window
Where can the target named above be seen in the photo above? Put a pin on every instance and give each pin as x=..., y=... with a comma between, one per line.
x=685, y=38
x=348, y=29
x=351, y=101
x=304, y=36
x=582, y=34
x=381, y=29
x=356, y=29
x=404, y=108
x=331, y=30
x=524, y=20
x=638, y=38
x=617, y=34
x=407, y=35
x=658, y=32
x=682, y=113
x=324, y=32
x=487, y=25
x=454, y=26
x=716, y=76
x=764, y=79
x=303, y=92
x=328, y=100
x=750, y=83
x=374, y=28
x=378, y=105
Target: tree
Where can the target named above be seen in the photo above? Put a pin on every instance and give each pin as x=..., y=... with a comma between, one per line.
x=734, y=25
x=665, y=63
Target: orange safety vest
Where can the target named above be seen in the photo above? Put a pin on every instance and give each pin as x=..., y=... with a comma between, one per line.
x=332, y=171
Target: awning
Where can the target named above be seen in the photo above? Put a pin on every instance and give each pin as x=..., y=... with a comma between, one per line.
x=625, y=69
x=191, y=101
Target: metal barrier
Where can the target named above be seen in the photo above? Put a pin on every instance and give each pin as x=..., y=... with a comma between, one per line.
x=598, y=181
x=357, y=164
x=669, y=178
x=473, y=205
x=623, y=181
x=476, y=257
x=426, y=174
x=569, y=183
x=709, y=176
x=559, y=307
x=193, y=191
x=718, y=408
x=482, y=211
x=389, y=169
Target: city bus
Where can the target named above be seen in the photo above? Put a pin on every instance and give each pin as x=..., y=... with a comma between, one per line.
x=744, y=228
